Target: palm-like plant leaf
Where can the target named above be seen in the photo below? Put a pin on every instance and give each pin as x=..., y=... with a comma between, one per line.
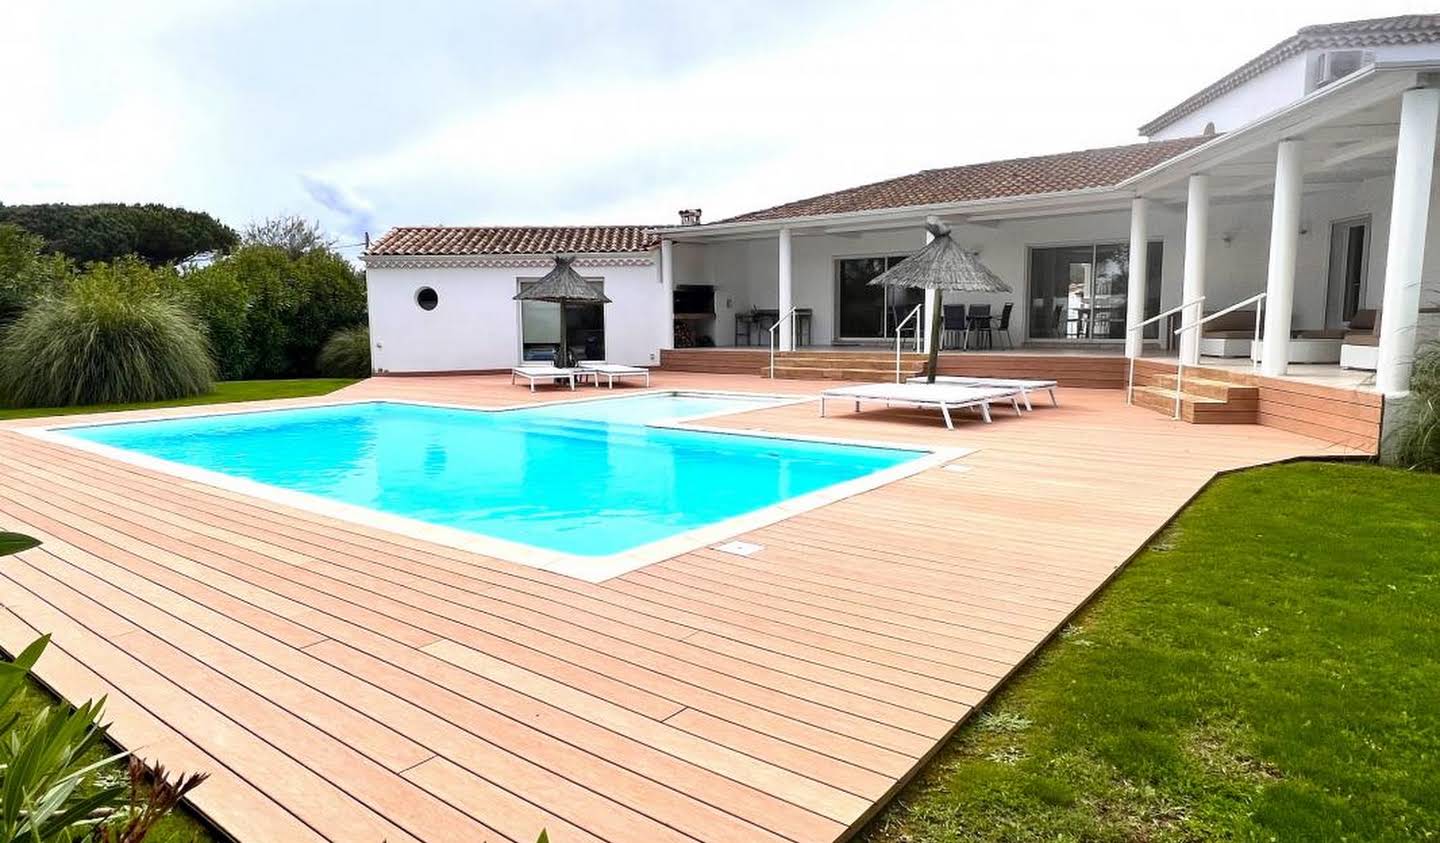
x=15, y=542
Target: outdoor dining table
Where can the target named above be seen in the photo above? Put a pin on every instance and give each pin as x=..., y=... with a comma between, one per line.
x=755, y=325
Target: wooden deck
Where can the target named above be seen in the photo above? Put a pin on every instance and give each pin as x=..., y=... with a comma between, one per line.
x=344, y=683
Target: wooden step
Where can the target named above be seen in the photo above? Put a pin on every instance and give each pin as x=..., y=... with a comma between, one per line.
x=885, y=374
x=1196, y=409
x=840, y=360
x=1200, y=386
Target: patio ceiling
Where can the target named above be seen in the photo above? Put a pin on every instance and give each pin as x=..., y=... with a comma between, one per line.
x=1349, y=132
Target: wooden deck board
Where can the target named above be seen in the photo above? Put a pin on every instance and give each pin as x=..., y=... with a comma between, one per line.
x=347, y=683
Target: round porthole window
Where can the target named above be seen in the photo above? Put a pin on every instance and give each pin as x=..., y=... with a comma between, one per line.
x=427, y=298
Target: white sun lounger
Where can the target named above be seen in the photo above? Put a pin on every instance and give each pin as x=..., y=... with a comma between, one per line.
x=549, y=374
x=1025, y=386
x=945, y=396
x=598, y=369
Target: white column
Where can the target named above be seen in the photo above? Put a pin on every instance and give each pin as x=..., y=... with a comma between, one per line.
x=667, y=291
x=787, y=336
x=1197, y=232
x=1409, y=214
x=925, y=314
x=1139, y=267
x=1284, y=241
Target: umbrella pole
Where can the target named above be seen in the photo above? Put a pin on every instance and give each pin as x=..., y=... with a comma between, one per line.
x=935, y=337
x=561, y=353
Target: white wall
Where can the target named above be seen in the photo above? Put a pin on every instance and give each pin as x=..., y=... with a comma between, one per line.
x=1274, y=89
x=476, y=325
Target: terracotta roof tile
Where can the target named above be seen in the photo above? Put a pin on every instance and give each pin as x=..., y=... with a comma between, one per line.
x=513, y=240
x=1371, y=32
x=1089, y=168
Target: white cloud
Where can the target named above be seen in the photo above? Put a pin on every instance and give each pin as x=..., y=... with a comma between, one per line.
x=940, y=84
x=203, y=104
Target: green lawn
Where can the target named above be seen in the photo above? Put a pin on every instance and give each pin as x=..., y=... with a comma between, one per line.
x=225, y=391
x=1268, y=670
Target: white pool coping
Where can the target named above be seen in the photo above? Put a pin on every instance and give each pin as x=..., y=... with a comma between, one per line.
x=593, y=569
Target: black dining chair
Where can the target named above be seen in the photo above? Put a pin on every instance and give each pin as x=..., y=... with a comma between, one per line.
x=1004, y=326
x=979, y=325
x=952, y=321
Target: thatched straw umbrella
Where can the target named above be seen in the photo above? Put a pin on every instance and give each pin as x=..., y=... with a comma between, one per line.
x=942, y=265
x=562, y=285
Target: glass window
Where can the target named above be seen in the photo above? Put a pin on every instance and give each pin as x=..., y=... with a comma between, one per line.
x=427, y=298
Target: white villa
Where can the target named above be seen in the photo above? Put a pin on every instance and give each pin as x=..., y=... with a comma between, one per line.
x=1304, y=174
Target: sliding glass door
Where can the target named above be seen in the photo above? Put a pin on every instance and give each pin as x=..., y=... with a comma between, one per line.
x=541, y=329
x=866, y=312
x=1080, y=292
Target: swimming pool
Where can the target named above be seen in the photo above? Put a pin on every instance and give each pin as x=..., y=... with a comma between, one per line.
x=584, y=479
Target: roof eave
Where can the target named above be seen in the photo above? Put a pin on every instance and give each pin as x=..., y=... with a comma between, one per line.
x=897, y=214
x=366, y=256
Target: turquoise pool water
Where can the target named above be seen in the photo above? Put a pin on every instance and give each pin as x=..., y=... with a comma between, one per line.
x=587, y=478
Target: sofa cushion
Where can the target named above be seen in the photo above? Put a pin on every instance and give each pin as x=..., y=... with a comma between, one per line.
x=1365, y=320
x=1364, y=328
x=1235, y=321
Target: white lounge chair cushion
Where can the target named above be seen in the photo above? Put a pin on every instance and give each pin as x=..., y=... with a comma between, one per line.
x=954, y=395
x=612, y=368
x=1012, y=383
x=543, y=371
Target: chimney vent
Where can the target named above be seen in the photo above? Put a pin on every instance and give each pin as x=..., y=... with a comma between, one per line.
x=690, y=216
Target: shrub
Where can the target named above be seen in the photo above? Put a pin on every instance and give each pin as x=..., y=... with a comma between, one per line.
x=346, y=354
x=26, y=273
x=268, y=314
x=220, y=300
x=112, y=336
x=1418, y=437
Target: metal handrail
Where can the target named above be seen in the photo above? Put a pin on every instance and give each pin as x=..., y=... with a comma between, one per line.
x=903, y=322
x=1180, y=361
x=1157, y=317
x=790, y=314
x=1130, y=378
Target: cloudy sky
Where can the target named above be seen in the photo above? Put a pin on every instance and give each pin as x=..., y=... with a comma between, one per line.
x=370, y=114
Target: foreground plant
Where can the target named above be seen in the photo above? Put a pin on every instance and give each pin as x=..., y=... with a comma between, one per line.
x=53, y=764
x=47, y=788
x=1418, y=438
x=153, y=796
